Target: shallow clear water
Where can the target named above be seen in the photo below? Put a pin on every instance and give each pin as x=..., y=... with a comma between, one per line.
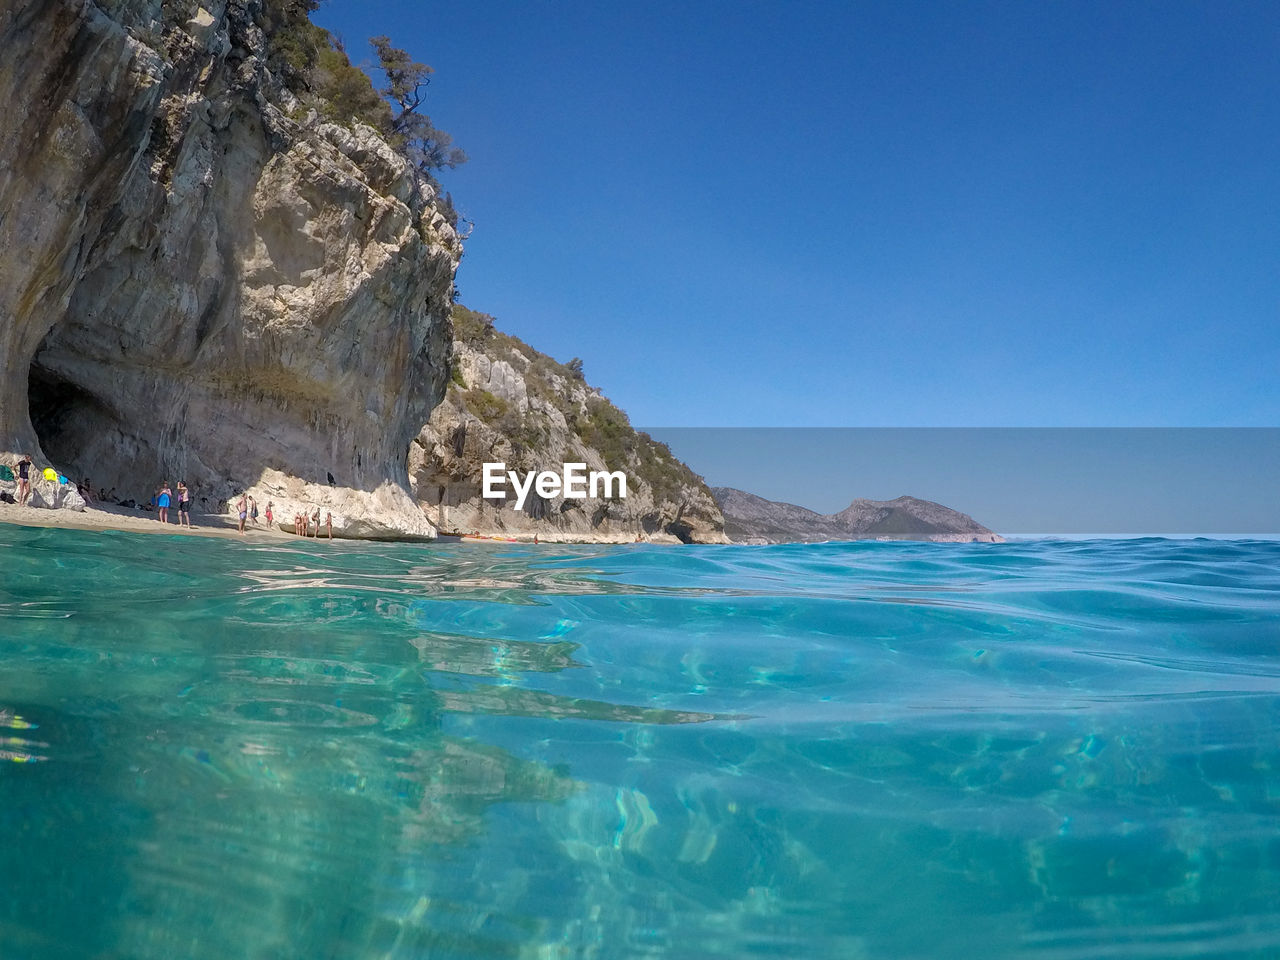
x=1042, y=749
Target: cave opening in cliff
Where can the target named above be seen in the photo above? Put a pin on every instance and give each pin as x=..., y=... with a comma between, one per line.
x=65, y=416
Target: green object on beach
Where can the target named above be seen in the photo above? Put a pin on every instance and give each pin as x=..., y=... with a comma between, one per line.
x=6, y=473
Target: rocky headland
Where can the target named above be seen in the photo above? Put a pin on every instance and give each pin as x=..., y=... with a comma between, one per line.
x=207, y=270
x=220, y=263
x=507, y=402
x=752, y=519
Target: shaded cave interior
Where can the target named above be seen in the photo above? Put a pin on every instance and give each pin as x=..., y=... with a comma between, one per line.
x=81, y=432
x=67, y=419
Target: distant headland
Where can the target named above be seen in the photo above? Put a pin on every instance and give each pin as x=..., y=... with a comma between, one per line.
x=752, y=519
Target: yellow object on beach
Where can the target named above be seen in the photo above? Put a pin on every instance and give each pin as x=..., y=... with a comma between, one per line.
x=51, y=474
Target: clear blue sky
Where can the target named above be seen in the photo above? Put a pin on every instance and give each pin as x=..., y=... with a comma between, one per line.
x=851, y=214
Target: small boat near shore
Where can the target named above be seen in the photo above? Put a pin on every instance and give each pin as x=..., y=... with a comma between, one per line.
x=442, y=537
x=324, y=533
x=454, y=537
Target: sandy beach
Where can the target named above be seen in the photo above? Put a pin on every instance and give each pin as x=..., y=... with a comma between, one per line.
x=112, y=517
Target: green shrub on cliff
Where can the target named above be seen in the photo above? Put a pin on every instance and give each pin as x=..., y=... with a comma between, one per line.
x=596, y=422
x=345, y=92
x=485, y=405
x=471, y=326
x=666, y=475
x=606, y=428
x=315, y=67
x=293, y=41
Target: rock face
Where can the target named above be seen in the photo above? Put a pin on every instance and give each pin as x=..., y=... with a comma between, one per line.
x=509, y=403
x=46, y=493
x=752, y=519
x=200, y=280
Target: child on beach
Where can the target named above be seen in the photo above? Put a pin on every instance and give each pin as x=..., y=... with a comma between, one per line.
x=270, y=516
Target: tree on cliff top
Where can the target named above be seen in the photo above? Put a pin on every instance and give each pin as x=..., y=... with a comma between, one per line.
x=315, y=67
x=429, y=147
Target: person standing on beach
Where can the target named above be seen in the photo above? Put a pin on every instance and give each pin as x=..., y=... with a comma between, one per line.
x=253, y=510
x=315, y=519
x=270, y=516
x=243, y=507
x=23, y=467
x=162, y=503
x=328, y=522
x=184, y=505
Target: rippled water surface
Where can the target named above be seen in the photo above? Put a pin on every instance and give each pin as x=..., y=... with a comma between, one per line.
x=220, y=750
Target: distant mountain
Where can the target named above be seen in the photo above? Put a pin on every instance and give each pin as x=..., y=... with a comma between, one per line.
x=752, y=519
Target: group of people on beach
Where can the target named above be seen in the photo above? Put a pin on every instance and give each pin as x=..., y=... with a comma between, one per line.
x=248, y=510
x=305, y=526
x=164, y=498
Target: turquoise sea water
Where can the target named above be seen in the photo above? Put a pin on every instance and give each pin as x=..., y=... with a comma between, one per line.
x=1051, y=750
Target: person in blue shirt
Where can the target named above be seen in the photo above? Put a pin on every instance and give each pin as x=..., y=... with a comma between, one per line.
x=162, y=502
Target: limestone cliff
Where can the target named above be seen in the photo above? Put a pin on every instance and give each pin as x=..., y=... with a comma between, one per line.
x=201, y=279
x=507, y=402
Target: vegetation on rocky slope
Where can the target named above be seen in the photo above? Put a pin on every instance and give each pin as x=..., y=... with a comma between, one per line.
x=507, y=401
x=594, y=419
x=316, y=69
